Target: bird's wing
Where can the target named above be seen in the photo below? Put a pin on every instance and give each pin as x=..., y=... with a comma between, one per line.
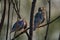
x=20, y=25
x=36, y=22
x=13, y=28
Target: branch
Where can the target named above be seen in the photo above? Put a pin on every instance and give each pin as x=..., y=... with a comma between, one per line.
x=17, y=11
x=38, y=27
x=31, y=20
x=48, y=19
x=16, y=1
x=8, y=19
x=20, y=33
x=3, y=16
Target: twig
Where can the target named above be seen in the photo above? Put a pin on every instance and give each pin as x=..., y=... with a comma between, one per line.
x=3, y=16
x=48, y=19
x=16, y=1
x=8, y=19
x=11, y=22
x=38, y=27
x=20, y=33
x=17, y=11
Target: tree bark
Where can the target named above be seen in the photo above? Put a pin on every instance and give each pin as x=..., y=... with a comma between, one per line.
x=31, y=20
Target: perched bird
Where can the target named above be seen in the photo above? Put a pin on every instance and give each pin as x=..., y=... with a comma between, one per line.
x=39, y=18
x=21, y=24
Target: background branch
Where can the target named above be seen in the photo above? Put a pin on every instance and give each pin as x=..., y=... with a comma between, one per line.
x=3, y=16
x=17, y=11
x=8, y=19
x=49, y=1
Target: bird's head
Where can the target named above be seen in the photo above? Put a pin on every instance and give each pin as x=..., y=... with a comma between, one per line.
x=39, y=9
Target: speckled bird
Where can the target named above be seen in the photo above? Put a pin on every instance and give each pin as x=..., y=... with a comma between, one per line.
x=39, y=18
x=21, y=24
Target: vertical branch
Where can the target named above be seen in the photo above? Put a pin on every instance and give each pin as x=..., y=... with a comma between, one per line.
x=31, y=20
x=48, y=20
x=49, y=9
x=11, y=22
x=3, y=16
x=59, y=37
x=8, y=19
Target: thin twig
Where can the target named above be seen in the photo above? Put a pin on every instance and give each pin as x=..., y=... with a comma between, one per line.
x=48, y=19
x=11, y=22
x=20, y=33
x=16, y=1
x=16, y=10
x=8, y=19
x=3, y=16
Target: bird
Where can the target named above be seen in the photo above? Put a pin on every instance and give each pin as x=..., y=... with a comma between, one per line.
x=39, y=18
x=20, y=24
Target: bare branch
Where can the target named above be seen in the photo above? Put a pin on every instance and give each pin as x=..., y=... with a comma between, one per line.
x=8, y=19
x=17, y=11
x=31, y=20
x=21, y=33
x=3, y=16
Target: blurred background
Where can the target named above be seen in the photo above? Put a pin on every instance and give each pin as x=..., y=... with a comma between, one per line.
x=25, y=9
